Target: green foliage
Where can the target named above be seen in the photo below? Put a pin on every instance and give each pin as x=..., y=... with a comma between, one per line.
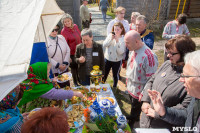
x=37, y=103
x=110, y=13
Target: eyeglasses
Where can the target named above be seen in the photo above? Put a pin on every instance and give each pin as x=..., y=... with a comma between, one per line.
x=187, y=76
x=55, y=30
x=171, y=53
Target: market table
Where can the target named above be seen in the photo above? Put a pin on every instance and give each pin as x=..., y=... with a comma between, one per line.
x=108, y=93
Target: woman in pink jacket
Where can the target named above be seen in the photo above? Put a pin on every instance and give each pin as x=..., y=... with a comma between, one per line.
x=72, y=35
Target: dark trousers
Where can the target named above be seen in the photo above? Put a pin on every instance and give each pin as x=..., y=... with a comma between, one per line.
x=86, y=24
x=115, y=70
x=135, y=108
x=74, y=70
x=86, y=81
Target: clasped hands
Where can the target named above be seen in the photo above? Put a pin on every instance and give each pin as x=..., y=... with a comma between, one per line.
x=81, y=59
x=158, y=106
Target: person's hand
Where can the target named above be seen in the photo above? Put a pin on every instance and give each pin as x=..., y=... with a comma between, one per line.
x=55, y=79
x=25, y=116
x=140, y=97
x=177, y=35
x=151, y=112
x=157, y=102
x=62, y=67
x=124, y=62
x=70, y=60
x=113, y=36
x=81, y=59
x=145, y=107
x=78, y=94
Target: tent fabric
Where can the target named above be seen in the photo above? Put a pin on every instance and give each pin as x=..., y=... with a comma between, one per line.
x=22, y=21
x=51, y=15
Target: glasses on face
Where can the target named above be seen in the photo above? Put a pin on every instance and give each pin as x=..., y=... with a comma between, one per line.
x=55, y=30
x=172, y=54
x=187, y=76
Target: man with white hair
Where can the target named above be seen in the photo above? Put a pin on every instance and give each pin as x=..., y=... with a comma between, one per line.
x=146, y=34
x=190, y=116
x=142, y=63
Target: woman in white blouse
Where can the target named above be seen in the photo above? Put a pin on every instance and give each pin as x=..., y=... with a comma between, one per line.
x=58, y=51
x=114, y=46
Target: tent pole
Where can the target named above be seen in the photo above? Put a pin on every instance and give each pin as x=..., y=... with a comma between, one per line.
x=45, y=40
x=43, y=29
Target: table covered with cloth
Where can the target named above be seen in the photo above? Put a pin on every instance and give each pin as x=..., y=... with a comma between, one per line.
x=100, y=94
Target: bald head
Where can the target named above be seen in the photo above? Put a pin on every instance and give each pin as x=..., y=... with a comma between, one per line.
x=133, y=40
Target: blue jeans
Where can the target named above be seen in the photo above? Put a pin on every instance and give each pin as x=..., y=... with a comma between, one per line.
x=104, y=14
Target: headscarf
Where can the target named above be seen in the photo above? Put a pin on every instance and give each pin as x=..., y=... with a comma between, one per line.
x=10, y=117
x=36, y=84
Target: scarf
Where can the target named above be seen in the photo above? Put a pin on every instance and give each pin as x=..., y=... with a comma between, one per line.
x=10, y=116
x=36, y=84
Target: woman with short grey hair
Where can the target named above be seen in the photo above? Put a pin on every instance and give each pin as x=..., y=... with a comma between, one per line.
x=72, y=35
x=88, y=54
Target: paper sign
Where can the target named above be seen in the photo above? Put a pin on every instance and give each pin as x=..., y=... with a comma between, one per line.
x=95, y=53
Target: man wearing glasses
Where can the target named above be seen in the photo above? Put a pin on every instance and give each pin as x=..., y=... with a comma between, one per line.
x=190, y=116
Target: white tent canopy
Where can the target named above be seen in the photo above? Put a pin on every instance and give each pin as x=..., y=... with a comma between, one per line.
x=19, y=21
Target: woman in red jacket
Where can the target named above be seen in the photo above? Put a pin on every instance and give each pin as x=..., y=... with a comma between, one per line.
x=72, y=35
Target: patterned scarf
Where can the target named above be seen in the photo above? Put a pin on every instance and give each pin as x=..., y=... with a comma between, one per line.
x=10, y=116
x=36, y=84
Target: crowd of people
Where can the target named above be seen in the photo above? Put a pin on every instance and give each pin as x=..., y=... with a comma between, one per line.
x=163, y=97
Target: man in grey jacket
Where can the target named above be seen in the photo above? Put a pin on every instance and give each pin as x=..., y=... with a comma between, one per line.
x=190, y=116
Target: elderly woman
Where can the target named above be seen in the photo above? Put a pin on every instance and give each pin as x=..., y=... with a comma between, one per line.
x=73, y=37
x=88, y=54
x=166, y=81
x=10, y=117
x=114, y=50
x=134, y=15
x=58, y=51
x=38, y=84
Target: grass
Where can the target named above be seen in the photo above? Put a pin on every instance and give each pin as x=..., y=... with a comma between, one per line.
x=110, y=13
x=122, y=101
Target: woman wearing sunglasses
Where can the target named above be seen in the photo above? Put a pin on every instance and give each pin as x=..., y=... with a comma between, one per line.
x=58, y=51
x=166, y=81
